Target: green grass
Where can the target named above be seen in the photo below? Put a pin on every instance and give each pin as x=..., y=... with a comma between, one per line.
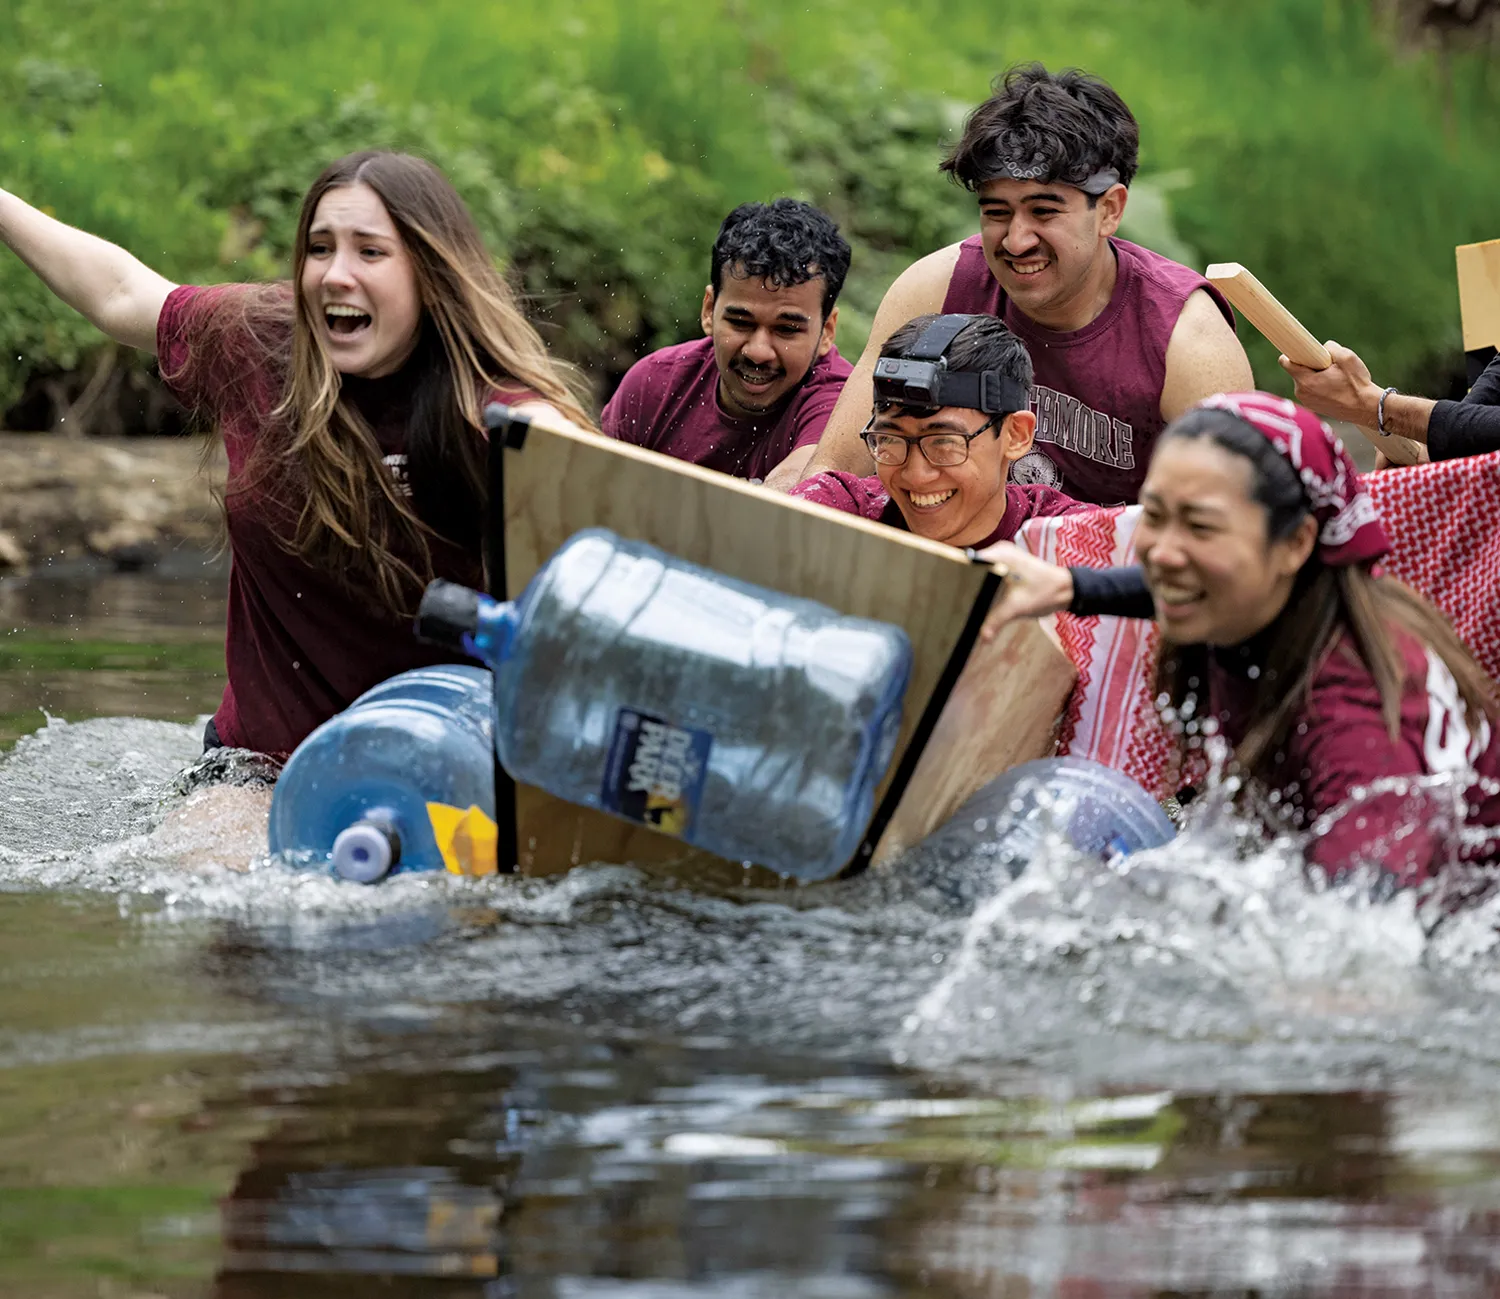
x=123, y=1233
x=600, y=142
x=40, y=653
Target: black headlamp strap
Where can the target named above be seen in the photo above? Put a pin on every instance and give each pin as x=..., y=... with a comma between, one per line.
x=932, y=342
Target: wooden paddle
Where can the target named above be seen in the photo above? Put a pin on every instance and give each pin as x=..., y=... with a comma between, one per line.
x=1284, y=331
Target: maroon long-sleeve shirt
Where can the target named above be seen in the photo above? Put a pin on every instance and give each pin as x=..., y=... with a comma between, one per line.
x=1365, y=795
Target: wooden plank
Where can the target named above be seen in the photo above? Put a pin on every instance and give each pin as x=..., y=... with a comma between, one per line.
x=1479, y=293
x=1285, y=332
x=1260, y=307
x=564, y=479
x=988, y=726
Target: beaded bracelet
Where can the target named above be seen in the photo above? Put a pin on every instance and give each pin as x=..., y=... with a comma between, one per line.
x=1380, y=412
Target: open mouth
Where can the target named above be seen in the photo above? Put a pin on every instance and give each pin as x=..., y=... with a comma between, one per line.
x=758, y=380
x=1028, y=266
x=931, y=500
x=344, y=322
x=1175, y=601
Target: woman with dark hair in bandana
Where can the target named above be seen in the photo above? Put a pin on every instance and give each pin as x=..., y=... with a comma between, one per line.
x=1335, y=686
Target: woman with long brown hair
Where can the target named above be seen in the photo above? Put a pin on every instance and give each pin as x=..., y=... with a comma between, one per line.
x=350, y=405
x=1338, y=689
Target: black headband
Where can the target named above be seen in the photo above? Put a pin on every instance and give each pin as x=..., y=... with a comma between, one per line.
x=922, y=377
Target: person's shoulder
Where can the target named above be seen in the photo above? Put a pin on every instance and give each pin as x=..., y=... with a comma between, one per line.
x=651, y=384
x=1158, y=267
x=831, y=369
x=1039, y=500
x=670, y=361
x=190, y=305
x=1344, y=674
x=923, y=285
x=223, y=338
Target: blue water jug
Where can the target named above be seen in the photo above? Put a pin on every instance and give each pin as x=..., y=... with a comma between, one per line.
x=1098, y=811
x=355, y=793
x=753, y=724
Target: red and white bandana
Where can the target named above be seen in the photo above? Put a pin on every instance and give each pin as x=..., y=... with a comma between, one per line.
x=1349, y=527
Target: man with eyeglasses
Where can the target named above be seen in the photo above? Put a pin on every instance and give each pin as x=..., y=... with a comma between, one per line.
x=950, y=418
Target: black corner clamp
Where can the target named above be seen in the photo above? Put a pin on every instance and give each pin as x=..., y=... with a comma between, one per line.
x=507, y=432
x=511, y=426
x=958, y=658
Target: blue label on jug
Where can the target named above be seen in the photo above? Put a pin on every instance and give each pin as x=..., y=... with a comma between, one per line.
x=655, y=772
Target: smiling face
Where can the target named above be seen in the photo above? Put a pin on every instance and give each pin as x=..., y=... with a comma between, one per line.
x=359, y=284
x=961, y=505
x=1215, y=575
x=1049, y=249
x=765, y=338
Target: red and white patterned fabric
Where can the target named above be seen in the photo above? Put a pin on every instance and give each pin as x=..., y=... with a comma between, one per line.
x=1444, y=524
x=1443, y=521
x=1111, y=716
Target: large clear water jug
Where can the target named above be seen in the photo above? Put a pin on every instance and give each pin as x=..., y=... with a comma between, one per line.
x=355, y=794
x=753, y=724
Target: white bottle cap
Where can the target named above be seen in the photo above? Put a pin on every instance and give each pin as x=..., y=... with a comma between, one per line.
x=362, y=853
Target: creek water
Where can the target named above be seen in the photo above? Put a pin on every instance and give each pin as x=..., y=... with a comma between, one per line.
x=1198, y=1077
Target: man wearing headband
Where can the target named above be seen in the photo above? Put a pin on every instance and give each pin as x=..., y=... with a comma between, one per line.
x=1122, y=339
x=1351, y=709
x=950, y=417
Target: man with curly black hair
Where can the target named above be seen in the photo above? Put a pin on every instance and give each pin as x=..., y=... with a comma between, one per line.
x=1122, y=338
x=763, y=382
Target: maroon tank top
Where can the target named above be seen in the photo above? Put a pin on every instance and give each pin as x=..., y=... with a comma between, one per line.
x=1097, y=391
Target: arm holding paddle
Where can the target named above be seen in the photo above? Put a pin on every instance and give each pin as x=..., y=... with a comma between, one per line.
x=1298, y=347
x=1447, y=430
x=111, y=289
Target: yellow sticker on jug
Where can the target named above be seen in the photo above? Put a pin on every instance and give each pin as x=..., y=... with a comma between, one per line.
x=467, y=838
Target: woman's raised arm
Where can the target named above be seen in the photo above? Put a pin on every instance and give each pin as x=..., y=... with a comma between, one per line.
x=115, y=292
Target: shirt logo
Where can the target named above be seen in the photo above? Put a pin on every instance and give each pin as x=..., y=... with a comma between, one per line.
x=1065, y=422
x=397, y=466
x=1036, y=469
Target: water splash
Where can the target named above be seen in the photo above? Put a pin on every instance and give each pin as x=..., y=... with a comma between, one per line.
x=1216, y=957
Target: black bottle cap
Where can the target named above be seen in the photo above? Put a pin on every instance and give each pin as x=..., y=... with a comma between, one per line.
x=447, y=614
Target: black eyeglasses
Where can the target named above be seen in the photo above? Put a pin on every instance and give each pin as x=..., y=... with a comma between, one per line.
x=942, y=450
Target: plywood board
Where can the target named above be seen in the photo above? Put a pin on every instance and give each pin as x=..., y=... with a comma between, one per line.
x=563, y=479
x=1003, y=711
x=1479, y=293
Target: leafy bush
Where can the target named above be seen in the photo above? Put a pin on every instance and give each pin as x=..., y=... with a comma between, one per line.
x=601, y=143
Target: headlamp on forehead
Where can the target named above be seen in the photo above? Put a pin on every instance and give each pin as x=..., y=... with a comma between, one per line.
x=922, y=377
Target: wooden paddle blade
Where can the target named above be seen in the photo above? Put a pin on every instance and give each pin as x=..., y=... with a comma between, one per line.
x=1284, y=331
x=1259, y=306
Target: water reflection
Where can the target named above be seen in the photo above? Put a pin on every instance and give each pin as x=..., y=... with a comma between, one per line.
x=592, y=1168
x=79, y=642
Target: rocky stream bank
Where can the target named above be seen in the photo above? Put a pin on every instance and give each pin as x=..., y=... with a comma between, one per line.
x=123, y=500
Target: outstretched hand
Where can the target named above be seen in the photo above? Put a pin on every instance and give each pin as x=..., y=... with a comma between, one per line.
x=1343, y=391
x=1031, y=587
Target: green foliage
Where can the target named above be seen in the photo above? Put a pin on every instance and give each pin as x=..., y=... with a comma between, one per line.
x=600, y=142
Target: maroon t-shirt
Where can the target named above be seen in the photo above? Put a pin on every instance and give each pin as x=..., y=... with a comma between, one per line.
x=299, y=646
x=1340, y=743
x=868, y=498
x=1097, y=390
x=669, y=402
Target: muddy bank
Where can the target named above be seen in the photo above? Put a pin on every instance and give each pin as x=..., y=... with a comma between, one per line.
x=128, y=500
